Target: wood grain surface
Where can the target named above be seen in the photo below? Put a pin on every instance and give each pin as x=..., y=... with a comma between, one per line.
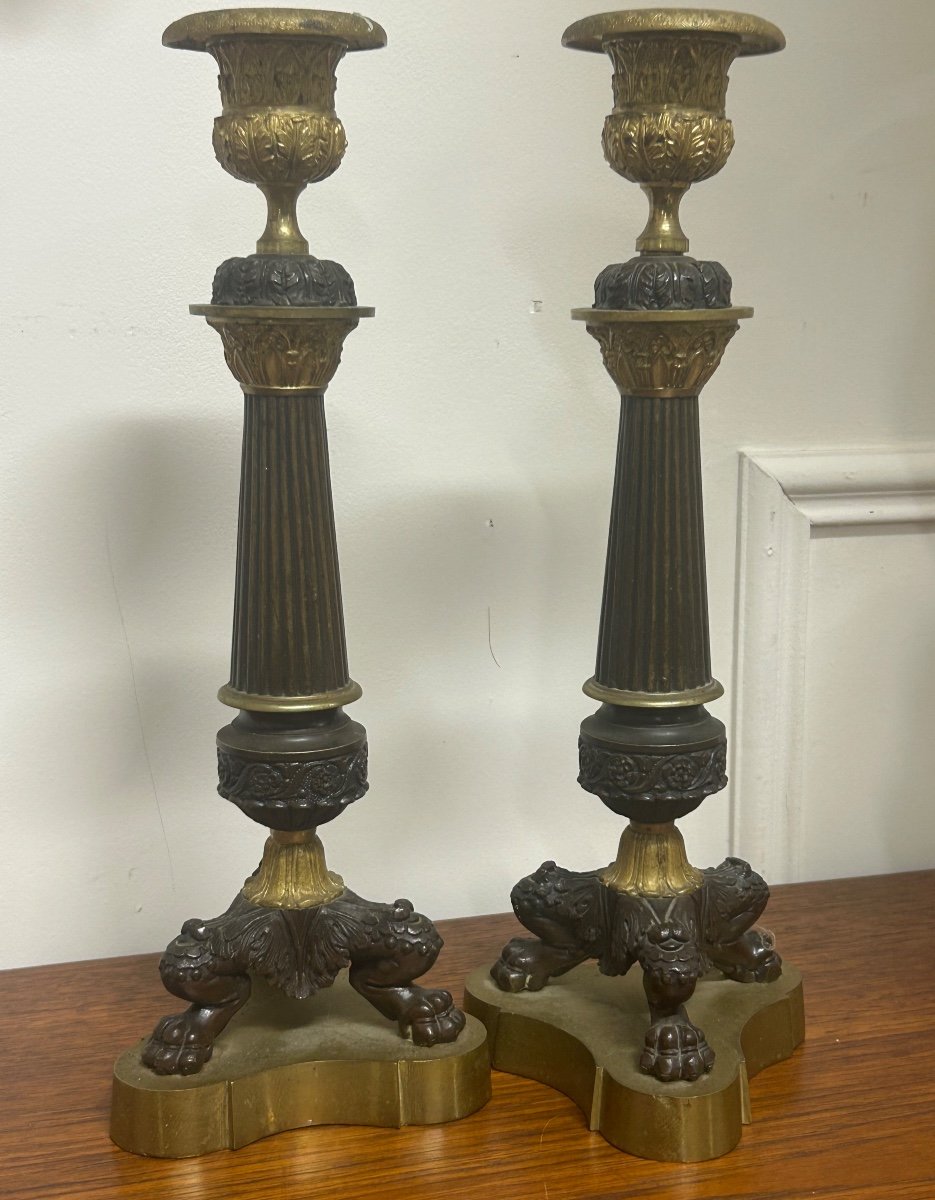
x=850, y=1117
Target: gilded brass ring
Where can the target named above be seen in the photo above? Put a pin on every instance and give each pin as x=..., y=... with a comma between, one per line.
x=277, y=312
x=641, y=316
x=628, y=699
x=254, y=702
x=257, y=389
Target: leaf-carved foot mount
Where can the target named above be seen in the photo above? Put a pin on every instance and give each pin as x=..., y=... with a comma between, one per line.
x=400, y=946
x=299, y=952
x=575, y=916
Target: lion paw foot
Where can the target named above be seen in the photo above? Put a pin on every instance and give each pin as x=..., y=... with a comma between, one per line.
x=750, y=959
x=764, y=970
x=526, y=964
x=431, y=1017
x=515, y=969
x=180, y=1045
x=676, y=1049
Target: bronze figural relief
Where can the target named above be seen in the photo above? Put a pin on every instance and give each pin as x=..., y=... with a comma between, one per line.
x=292, y=759
x=652, y=752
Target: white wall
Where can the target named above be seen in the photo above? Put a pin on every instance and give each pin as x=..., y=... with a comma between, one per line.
x=472, y=438
x=887, y=781
x=831, y=709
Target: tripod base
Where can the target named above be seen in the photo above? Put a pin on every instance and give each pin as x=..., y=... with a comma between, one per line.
x=582, y=1033
x=285, y=1063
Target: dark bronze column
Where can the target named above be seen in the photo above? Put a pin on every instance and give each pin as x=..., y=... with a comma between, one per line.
x=653, y=636
x=652, y=752
x=288, y=636
x=291, y=759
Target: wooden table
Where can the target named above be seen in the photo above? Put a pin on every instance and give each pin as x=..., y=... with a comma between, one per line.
x=850, y=1117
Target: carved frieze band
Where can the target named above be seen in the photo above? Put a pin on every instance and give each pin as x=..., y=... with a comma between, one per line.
x=618, y=776
x=318, y=788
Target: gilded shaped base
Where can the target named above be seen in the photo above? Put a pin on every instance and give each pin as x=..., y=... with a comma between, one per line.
x=581, y=1035
x=285, y=1064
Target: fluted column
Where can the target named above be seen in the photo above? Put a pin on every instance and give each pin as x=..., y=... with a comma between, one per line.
x=288, y=638
x=653, y=636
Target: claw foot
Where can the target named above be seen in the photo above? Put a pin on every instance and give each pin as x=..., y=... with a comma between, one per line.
x=514, y=970
x=180, y=1045
x=431, y=1017
x=750, y=959
x=676, y=1049
x=526, y=964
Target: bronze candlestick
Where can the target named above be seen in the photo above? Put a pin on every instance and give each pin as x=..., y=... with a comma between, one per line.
x=291, y=759
x=652, y=752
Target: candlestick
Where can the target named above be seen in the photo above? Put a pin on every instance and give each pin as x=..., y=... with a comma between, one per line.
x=652, y=752
x=292, y=759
